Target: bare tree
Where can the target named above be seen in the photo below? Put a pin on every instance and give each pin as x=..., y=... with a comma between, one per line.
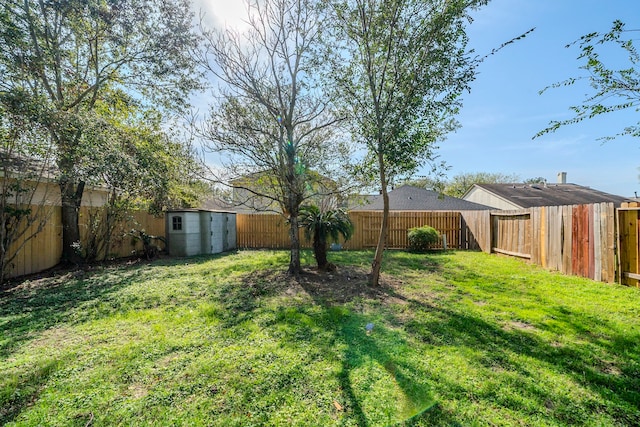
x=271, y=124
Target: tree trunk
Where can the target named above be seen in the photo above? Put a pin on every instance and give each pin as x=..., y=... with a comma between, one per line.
x=71, y=194
x=294, y=234
x=384, y=230
x=320, y=252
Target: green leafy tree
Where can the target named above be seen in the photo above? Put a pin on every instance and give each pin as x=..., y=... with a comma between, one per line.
x=272, y=125
x=320, y=226
x=399, y=68
x=611, y=90
x=64, y=57
x=140, y=167
x=461, y=183
x=536, y=180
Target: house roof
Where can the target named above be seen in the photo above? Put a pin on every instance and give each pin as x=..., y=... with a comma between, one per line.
x=532, y=195
x=27, y=166
x=218, y=205
x=410, y=198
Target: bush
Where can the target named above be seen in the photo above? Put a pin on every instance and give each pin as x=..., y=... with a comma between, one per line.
x=421, y=238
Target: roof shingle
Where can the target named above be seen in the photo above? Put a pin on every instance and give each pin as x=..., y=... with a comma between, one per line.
x=533, y=195
x=410, y=198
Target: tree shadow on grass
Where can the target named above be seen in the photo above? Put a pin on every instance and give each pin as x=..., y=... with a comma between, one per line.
x=31, y=384
x=489, y=346
x=37, y=304
x=385, y=348
x=617, y=387
x=33, y=307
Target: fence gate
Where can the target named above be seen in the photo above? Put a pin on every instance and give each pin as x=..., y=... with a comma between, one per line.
x=629, y=244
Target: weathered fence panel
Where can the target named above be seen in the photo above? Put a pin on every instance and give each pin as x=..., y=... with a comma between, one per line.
x=476, y=230
x=578, y=240
x=45, y=249
x=511, y=233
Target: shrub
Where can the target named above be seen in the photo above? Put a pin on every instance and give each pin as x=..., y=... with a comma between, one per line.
x=321, y=225
x=421, y=238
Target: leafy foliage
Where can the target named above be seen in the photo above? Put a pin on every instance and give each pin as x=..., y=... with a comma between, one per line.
x=399, y=70
x=612, y=90
x=321, y=225
x=61, y=59
x=422, y=238
x=461, y=183
x=139, y=165
x=535, y=180
x=399, y=73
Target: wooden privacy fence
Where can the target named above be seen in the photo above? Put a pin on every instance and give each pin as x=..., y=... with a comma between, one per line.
x=367, y=228
x=45, y=249
x=271, y=230
x=42, y=251
x=264, y=231
x=577, y=239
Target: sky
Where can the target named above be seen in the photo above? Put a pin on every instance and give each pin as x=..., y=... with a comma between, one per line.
x=504, y=109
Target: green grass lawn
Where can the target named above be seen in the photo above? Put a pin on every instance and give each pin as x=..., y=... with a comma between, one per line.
x=459, y=338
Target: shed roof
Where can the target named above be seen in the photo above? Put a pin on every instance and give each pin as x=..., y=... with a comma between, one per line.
x=532, y=195
x=410, y=198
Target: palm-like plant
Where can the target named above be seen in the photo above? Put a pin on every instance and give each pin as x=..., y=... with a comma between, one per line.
x=319, y=226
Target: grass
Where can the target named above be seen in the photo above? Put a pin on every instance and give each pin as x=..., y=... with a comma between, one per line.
x=459, y=338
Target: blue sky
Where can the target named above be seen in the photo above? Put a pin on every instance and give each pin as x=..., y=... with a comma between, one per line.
x=504, y=109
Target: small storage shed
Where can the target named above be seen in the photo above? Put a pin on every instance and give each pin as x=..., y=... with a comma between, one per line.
x=195, y=232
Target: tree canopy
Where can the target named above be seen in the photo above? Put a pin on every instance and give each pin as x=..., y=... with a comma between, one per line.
x=612, y=89
x=60, y=59
x=399, y=69
x=459, y=184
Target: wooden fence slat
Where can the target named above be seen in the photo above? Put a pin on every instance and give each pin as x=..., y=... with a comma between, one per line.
x=610, y=249
x=566, y=239
x=597, y=244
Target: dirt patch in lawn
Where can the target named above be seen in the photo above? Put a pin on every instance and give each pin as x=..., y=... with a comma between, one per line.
x=54, y=276
x=345, y=284
x=516, y=325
